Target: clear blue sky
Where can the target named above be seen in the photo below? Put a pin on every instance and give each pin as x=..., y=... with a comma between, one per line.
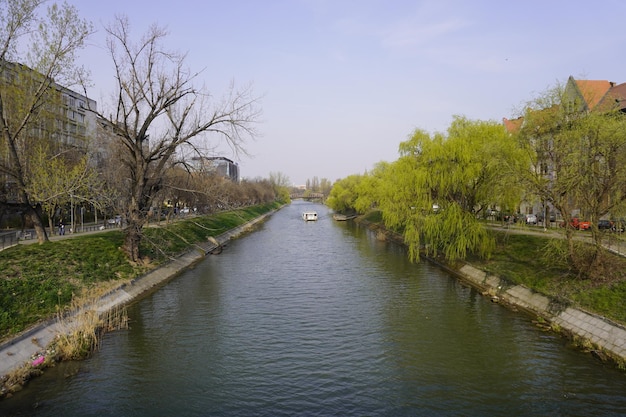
x=345, y=81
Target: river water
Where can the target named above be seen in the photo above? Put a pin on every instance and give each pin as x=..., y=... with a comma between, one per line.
x=321, y=319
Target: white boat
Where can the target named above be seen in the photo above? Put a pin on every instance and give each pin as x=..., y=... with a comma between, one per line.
x=309, y=216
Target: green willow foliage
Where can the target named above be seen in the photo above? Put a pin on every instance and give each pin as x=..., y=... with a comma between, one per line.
x=343, y=195
x=440, y=186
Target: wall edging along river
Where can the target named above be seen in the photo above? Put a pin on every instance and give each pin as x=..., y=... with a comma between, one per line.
x=600, y=335
x=19, y=351
x=607, y=336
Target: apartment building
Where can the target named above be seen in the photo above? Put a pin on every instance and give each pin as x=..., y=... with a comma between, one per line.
x=60, y=116
x=64, y=116
x=580, y=97
x=218, y=165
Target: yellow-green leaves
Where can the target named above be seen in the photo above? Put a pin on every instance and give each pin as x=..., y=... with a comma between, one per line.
x=442, y=183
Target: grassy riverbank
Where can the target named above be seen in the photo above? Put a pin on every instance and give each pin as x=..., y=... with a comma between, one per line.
x=538, y=262
x=38, y=281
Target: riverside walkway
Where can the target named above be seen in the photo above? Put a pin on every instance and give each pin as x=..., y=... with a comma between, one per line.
x=615, y=243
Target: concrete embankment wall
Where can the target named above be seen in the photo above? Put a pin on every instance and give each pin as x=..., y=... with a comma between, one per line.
x=605, y=335
x=152, y=280
x=19, y=351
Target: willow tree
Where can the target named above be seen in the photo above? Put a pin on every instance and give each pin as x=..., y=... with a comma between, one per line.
x=37, y=53
x=441, y=184
x=369, y=188
x=344, y=193
x=159, y=115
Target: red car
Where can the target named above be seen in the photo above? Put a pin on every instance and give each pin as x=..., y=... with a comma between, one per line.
x=578, y=224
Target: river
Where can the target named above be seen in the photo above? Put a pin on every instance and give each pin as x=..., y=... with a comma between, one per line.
x=321, y=319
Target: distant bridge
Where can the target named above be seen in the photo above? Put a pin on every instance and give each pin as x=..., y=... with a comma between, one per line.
x=307, y=196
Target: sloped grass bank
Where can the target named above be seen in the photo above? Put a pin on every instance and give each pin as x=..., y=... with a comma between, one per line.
x=38, y=281
x=539, y=263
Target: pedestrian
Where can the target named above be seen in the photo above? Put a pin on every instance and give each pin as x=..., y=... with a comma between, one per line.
x=61, y=229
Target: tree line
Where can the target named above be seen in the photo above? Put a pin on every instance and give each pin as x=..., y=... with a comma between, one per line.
x=443, y=185
x=159, y=120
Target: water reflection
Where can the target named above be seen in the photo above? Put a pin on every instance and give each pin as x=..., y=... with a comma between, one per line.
x=321, y=318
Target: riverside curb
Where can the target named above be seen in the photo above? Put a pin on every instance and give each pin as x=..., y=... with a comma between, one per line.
x=19, y=351
x=607, y=336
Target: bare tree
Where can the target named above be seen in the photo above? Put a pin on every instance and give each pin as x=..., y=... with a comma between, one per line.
x=281, y=185
x=160, y=115
x=577, y=164
x=29, y=94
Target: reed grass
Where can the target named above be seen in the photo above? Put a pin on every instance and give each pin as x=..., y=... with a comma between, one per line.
x=82, y=326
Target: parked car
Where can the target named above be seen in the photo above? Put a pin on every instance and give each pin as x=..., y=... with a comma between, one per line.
x=531, y=219
x=605, y=225
x=117, y=220
x=578, y=224
x=552, y=217
x=618, y=225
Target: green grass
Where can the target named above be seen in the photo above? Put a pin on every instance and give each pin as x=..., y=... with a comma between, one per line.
x=540, y=263
x=37, y=280
x=519, y=259
x=606, y=301
x=163, y=242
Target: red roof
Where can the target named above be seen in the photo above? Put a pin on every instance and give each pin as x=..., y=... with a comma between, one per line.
x=514, y=125
x=593, y=91
x=615, y=98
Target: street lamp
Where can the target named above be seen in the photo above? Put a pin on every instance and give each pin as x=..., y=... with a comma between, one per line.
x=71, y=213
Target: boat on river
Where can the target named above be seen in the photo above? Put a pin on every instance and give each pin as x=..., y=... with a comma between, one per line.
x=309, y=216
x=343, y=217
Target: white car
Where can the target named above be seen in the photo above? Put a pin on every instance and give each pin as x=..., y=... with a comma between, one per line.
x=531, y=219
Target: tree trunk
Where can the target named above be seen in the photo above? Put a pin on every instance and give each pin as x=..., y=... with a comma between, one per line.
x=35, y=218
x=132, y=238
x=51, y=225
x=136, y=220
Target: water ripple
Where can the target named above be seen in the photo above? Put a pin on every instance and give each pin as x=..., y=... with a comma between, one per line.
x=322, y=319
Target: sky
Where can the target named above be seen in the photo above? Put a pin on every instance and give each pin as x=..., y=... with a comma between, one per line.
x=343, y=82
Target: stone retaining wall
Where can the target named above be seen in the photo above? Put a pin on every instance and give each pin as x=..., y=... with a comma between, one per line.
x=19, y=351
x=605, y=335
